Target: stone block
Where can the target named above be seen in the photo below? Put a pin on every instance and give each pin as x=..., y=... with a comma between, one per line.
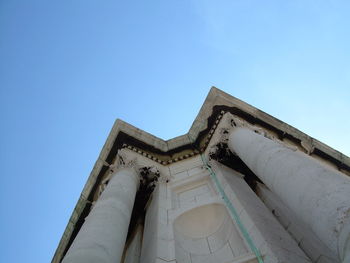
x=180, y=176
x=223, y=255
x=182, y=256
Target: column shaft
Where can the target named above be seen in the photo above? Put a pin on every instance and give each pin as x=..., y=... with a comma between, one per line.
x=316, y=193
x=103, y=234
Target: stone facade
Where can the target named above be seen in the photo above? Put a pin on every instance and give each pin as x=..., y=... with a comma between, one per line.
x=240, y=186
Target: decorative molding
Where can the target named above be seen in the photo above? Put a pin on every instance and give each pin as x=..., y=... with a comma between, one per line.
x=123, y=161
x=221, y=152
x=149, y=176
x=237, y=122
x=184, y=156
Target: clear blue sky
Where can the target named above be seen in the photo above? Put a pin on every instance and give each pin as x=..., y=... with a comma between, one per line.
x=68, y=69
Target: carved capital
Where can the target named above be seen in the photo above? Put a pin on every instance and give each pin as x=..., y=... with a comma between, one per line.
x=220, y=151
x=123, y=161
x=148, y=177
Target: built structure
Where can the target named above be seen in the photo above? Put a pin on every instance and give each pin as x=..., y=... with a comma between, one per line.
x=240, y=186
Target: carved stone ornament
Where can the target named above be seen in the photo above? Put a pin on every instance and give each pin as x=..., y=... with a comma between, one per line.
x=148, y=177
x=237, y=122
x=221, y=152
x=123, y=161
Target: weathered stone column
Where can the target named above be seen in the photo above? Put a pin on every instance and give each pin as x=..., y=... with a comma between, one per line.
x=102, y=236
x=316, y=193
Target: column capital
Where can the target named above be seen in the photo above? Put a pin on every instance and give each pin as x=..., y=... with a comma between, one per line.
x=147, y=175
x=230, y=123
x=123, y=160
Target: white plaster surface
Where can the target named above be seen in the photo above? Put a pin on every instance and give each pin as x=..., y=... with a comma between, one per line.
x=102, y=236
x=319, y=195
x=133, y=251
x=211, y=217
x=307, y=240
x=158, y=240
x=272, y=240
x=207, y=234
x=203, y=229
x=149, y=241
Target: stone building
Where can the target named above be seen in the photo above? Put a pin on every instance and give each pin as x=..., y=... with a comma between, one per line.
x=240, y=186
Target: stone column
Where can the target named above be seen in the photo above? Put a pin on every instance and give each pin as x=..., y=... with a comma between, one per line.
x=103, y=234
x=316, y=193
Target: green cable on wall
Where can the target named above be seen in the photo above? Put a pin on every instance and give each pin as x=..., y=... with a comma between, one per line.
x=233, y=211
